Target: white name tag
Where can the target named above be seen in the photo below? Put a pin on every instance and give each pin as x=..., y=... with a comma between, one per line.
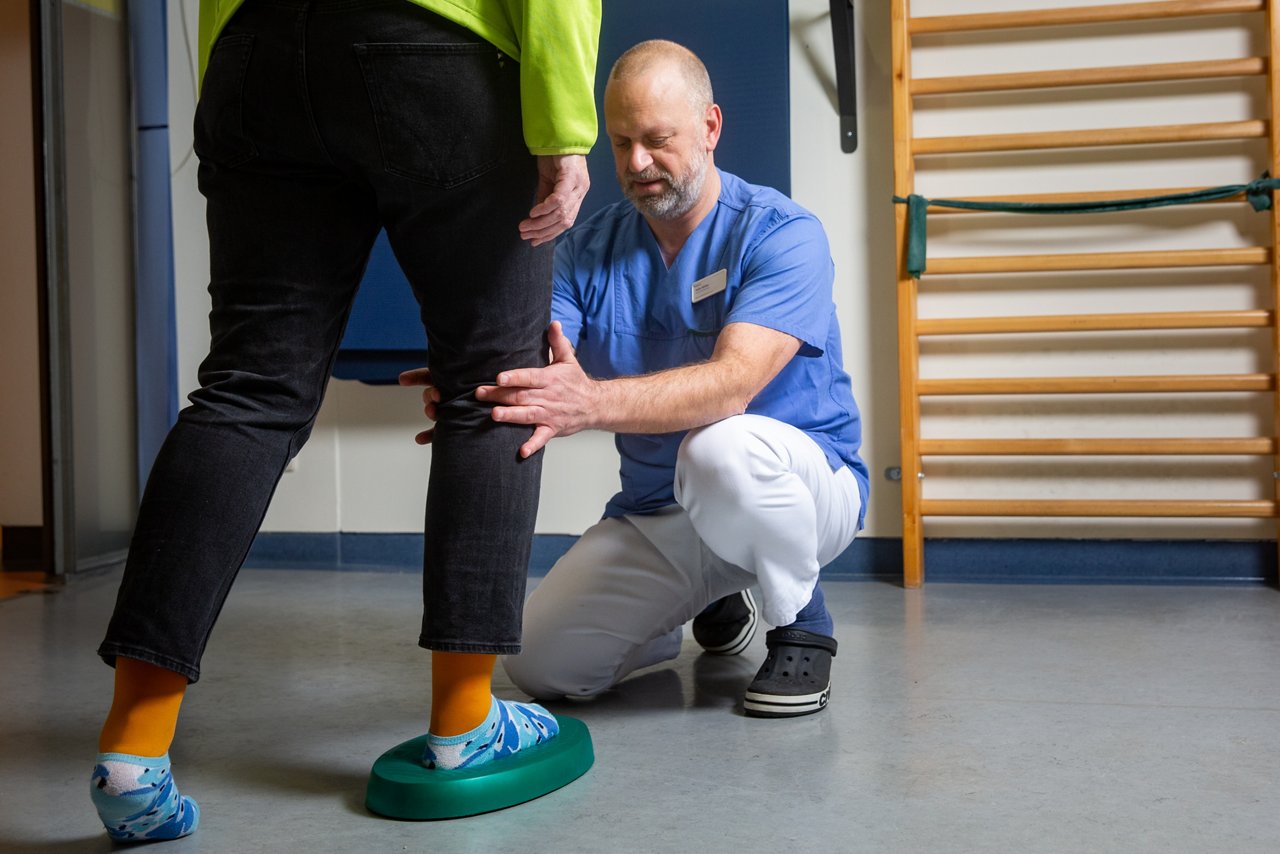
x=710, y=285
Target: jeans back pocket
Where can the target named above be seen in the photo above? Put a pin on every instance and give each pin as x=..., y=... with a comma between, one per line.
x=445, y=113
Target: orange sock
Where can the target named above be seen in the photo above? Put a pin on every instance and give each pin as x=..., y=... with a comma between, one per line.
x=144, y=710
x=461, y=691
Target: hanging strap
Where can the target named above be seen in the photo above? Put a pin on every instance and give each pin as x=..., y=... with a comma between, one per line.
x=1258, y=193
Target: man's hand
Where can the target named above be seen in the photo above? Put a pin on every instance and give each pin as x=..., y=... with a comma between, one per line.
x=430, y=399
x=562, y=185
x=559, y=400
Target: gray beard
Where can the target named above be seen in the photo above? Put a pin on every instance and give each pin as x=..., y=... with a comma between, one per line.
x=679, y=198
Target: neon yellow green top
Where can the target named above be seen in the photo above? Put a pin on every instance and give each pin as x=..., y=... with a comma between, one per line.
x=555, y=42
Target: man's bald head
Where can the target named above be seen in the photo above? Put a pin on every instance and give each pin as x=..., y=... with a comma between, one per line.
x=663, y=127
x=659, y=54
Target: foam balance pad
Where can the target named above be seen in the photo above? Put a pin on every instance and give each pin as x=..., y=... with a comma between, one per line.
x=400, y=786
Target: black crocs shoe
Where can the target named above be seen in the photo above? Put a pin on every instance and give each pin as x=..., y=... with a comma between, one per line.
x=795, y=678
x=727, y=626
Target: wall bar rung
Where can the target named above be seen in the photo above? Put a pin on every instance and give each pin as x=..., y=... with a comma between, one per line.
x=1098, y=385
x=1244, y=256
x=1162, y=72
x=1080, y=15
x=1245, y=319
x=1096, y=447
x=1135, y=509
x=1094, y=196
x=1154, y=135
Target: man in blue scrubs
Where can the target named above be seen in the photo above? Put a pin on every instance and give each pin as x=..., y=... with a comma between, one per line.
x=694, y=320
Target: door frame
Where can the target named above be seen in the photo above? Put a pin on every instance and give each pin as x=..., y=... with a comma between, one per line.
x=55, y=299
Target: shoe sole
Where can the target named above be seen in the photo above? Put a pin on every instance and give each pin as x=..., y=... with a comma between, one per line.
x=757, y=705
x=744, y=637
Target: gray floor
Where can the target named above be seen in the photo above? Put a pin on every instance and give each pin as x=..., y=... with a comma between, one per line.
x=963, y=718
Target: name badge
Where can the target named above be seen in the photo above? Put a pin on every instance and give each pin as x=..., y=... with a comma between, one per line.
x=710, y=285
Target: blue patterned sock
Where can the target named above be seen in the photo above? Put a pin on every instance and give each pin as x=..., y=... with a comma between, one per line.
x=137, y=800
x=510, y=727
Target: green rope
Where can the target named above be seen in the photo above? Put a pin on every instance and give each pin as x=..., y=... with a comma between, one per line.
x=1257, y=192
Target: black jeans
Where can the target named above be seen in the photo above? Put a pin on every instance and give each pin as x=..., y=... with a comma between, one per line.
x=319, y=123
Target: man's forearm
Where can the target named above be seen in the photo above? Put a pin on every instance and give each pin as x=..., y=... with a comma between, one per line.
x=560, y=399
x=668, y=401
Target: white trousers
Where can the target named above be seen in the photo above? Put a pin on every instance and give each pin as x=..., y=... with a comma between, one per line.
x=757, y=504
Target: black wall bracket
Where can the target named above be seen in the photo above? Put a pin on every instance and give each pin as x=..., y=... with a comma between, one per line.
x=842, y=35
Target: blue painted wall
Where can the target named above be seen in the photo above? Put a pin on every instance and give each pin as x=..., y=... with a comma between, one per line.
x=155, y=324
x=1217, y=562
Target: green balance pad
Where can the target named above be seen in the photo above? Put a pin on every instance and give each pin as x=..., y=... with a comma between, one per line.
x=400, y=786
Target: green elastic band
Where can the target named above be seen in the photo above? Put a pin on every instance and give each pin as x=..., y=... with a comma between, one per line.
x=1258, y=193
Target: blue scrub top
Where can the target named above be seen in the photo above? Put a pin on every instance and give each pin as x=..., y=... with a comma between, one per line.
x=628, y=313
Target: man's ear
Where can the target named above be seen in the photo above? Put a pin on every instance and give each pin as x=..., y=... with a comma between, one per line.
x=714, y=123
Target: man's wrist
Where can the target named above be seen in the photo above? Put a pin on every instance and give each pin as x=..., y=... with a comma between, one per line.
x=596, y=412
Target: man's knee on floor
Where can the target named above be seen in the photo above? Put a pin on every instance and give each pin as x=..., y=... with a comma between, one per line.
x=545, y=674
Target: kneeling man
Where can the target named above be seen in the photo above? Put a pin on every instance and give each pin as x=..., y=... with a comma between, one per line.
x=694, y=320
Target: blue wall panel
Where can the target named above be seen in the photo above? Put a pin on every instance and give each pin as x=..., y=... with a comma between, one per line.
x=1148, y=562
x=155, y=323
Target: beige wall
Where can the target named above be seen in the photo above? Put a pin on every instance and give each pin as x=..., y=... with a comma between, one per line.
x=21, y=488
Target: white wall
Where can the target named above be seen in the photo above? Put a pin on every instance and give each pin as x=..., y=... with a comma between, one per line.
x=362, y=472
x=852, y=195
x=21, y=484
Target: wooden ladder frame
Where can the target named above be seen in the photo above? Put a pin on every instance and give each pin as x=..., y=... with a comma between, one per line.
x=907, y=147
